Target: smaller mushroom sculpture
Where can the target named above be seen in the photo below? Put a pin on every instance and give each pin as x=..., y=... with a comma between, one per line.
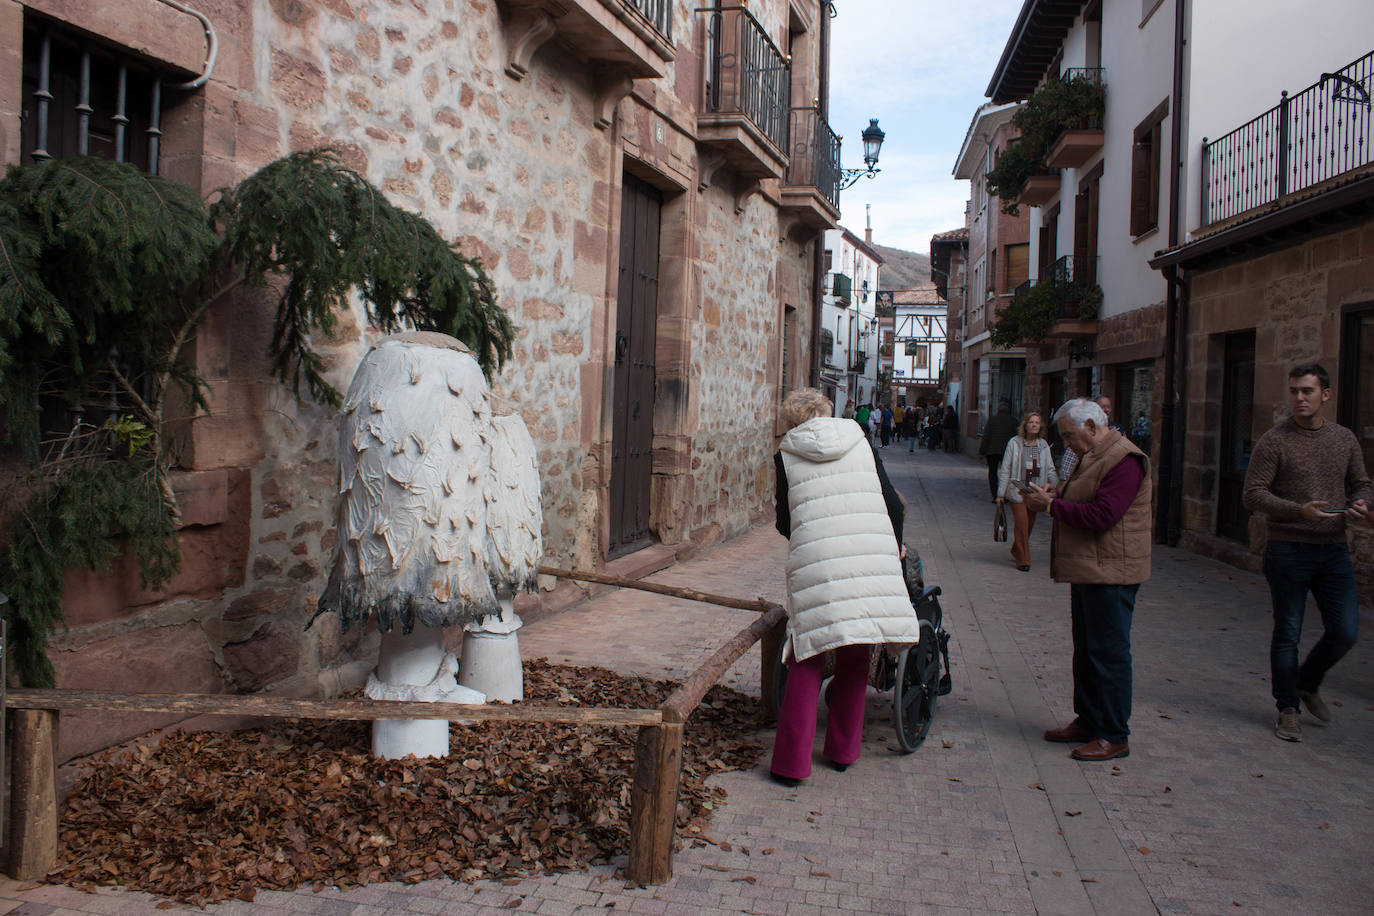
x=491, y=650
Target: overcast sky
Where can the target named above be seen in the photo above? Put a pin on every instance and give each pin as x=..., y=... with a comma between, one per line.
x=920, y=68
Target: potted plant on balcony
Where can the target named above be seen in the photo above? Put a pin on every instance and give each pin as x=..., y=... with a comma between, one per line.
x=1031, y=314
x=1060, y=105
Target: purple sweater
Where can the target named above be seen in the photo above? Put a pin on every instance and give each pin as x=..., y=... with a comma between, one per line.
x=1114, y=496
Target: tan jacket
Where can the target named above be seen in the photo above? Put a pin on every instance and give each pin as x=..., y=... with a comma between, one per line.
x=1119, y=555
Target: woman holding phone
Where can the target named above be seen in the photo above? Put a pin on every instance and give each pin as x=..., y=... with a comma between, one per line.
x=1027, y=460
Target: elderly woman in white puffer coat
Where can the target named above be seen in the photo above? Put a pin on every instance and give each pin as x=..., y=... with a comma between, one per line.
x=846, y=594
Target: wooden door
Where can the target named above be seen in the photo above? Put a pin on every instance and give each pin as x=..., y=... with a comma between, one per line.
x=632, y=439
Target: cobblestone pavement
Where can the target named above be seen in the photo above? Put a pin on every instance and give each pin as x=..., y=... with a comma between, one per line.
x=1209, y=814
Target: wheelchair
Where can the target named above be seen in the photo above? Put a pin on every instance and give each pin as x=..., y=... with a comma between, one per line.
x=916, y=677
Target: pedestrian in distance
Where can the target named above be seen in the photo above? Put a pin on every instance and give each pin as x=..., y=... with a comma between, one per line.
x=885, y=425
x=875, y=422
x=898, y=416
x=1026, y=460
x=1106, y=404
x=1307, y=477
x=845, y=589
x=950, y=426
x=1000, y=429
x=911, y=428
x=1101, y=547
x=861, y=417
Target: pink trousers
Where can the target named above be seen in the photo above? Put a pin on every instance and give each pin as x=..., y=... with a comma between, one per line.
x=797, y=718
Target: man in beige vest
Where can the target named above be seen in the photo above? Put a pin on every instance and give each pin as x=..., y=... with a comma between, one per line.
x=1101, y=547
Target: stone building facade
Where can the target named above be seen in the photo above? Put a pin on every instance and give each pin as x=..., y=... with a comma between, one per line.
x=524, y=130
x=998, y=256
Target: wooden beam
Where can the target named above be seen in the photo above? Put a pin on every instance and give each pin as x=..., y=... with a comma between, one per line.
x=769, y=646
x=291, y=708
x=679, y=706
x=689, y=594
x=33, y=794
x=653, y=803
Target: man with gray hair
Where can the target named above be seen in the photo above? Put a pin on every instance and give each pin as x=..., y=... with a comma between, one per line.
x=1101, y=547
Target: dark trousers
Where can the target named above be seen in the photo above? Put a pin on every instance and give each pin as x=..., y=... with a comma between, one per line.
x=1102, y=658
x=886, y=433
x=994, y=465
x=1293, y=569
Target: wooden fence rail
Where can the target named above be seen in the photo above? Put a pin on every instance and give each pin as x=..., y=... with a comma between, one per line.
x=658, y=748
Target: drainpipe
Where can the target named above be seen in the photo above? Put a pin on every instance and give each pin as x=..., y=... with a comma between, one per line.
x=818, y=256
x=1173, y=415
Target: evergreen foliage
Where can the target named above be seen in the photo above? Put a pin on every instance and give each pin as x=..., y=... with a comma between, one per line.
x=1031, y=313
x=105, y=273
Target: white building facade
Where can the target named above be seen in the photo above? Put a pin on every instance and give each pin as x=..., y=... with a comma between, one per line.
x=849, y=326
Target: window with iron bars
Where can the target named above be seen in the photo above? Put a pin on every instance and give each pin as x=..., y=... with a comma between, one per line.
x=83, y=97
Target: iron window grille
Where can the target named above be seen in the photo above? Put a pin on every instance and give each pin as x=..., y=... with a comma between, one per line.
x=658, y=13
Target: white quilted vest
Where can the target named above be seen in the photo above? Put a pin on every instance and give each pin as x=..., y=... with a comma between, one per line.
x=844, y=575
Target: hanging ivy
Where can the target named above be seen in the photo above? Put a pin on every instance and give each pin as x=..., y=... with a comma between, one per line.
x=105, y=274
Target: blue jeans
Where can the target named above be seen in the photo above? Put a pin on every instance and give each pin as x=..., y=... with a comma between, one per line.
x=1102, y=658
x=1293, y=569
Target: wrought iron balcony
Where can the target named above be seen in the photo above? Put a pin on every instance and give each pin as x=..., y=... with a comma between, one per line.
x=658, y=13
x=1309, y=138
x=626, y=39
x=1073, y=282
x=814, y=155
x=1079, y=140
x=747, y=94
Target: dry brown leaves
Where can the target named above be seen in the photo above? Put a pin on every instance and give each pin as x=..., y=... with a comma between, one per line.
x=210, y=816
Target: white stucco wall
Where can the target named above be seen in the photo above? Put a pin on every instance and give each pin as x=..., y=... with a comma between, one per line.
x=1243, y=53
x=1138, y=62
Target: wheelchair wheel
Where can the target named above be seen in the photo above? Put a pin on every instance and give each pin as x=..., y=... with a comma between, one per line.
x=917, y=689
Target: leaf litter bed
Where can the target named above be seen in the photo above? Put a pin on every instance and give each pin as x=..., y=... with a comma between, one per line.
x=205, y=817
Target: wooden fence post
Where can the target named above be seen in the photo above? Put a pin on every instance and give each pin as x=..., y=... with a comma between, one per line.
x=653, y=802
x=33, y=795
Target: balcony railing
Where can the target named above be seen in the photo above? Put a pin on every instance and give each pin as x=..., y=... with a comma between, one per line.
x=1306, y=139
x=815, y=155
x=1095, y=75
x=1073, y=281
x=746, y=73
x=843, y=288
x=659, y=13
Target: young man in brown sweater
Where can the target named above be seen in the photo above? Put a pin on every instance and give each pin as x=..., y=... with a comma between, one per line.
x=1307, y=476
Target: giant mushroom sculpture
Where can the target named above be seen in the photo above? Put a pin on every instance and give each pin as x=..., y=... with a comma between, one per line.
x=415, y=507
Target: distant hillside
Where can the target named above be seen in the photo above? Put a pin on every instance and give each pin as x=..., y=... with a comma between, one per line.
x=902, y=269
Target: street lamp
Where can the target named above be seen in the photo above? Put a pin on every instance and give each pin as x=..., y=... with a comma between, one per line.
x=873, y=142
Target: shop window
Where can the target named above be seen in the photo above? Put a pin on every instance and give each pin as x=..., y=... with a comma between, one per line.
x=1355, y=397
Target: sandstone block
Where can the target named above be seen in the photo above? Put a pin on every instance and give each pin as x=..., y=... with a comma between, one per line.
x=174, y=659
x=263, y=658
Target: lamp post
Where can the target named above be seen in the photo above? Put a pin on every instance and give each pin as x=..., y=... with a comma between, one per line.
x=873, y=142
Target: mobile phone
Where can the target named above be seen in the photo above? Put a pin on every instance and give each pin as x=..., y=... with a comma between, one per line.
x=1020, y=487
x=1334, y=511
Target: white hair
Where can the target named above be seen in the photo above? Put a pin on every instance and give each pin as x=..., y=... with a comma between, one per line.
x=1081, y=410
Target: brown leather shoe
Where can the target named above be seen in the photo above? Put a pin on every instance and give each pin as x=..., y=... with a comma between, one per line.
x=1100, y=749
x=1069, y=734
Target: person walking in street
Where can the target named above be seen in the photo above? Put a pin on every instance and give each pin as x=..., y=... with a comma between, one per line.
x=898, y=415
x=1101, y=547
x=1307, y=477
x=998, y=432
x=911, y=427
x=861, y=417
x=950, y=426
x=1025, y=460
x=885, y=425
x=845, y=590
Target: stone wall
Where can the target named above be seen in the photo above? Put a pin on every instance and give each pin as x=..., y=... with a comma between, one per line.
x=1292, y=298
x=516, y=172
